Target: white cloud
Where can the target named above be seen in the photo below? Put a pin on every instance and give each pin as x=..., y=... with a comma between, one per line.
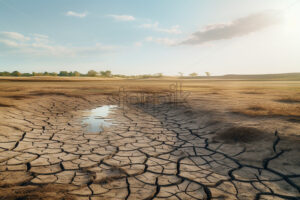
x=76, y=14
x=155, y=26
x=98, y=48
x=163, y=41
x=138, y=44
x=13, y=36
x=235, y=28
x=150, y=25
x=40, y=36
x=41, y=45
x=122, y=17
x=8, y=43
x=149, y=39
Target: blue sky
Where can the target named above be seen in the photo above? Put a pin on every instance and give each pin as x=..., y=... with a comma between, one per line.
x=146, y=37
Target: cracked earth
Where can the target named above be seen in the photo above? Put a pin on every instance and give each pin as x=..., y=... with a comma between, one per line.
x=148, y=153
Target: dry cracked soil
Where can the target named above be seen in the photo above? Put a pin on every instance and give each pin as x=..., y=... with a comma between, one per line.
x=150, y=152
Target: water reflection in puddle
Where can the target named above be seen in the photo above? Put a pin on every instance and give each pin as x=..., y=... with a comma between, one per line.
x=95, y=120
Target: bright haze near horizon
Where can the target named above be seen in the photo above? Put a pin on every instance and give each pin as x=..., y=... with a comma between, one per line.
x=147, y=37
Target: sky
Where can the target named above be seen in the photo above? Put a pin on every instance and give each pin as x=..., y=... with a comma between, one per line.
x=147, y=37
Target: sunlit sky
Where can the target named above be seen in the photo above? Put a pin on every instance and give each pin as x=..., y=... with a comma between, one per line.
x=147, y=37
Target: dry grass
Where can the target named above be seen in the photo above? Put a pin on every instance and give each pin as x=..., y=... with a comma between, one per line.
x=5, y=102
x=240, y=135
x=9, y=178
x=256, y=108
x=270, y=110
x=5, y=105
x=252, y=90
x=252, y=98
x=11, y=188
x=109, y=175
x=33, y=192
x=289, y=100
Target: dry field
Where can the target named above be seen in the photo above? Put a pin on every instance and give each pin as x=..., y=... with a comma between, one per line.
x=229, y=139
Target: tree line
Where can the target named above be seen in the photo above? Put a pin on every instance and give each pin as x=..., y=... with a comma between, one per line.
x=91, y=73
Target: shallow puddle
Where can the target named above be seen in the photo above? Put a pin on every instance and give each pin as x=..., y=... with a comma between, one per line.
x=96, y=119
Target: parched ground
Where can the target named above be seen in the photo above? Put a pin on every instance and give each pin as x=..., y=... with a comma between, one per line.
x=164, y=151
x=152, y=152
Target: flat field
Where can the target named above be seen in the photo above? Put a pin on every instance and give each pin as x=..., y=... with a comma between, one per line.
x=171, y=138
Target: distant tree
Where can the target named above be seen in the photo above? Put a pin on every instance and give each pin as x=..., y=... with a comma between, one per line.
x=92, y=73
x=63, y=73
x=53, y=74
x=45, y=74
x=106, y=73
x=207, y=73
x=120, y=75
x=194, y=74
x=76, y=73
x=158, y=75
x=4, y=73
x=26, y=74
x=180, y=74
x=15, y=73
x=144, y=76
